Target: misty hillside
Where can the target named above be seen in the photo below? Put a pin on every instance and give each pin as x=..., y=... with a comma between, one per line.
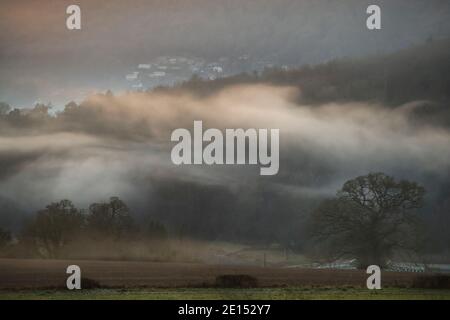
x=418, y=73
x=337, y=121
x=40, y=61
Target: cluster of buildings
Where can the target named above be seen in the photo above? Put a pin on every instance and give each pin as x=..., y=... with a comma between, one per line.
x=171, y=70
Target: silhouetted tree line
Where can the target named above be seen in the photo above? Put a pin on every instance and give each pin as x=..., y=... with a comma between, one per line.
x=372, y=219
x=50, y=230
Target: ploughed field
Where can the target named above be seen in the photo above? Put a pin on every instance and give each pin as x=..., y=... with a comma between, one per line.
x=42, y=274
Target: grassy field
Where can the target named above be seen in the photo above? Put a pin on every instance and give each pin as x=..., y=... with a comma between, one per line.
x=295, y=293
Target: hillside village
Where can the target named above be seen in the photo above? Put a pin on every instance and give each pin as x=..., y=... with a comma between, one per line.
x=172, y=70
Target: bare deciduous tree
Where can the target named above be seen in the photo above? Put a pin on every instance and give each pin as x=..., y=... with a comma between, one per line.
x=371, y=218
x=111, y=219
x=54, y=227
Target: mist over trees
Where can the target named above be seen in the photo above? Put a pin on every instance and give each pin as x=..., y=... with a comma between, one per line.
x=115, y=145
x=420, y=73
x=372, y=219
x=54, y=227
x=110, y=219
x=51, y=232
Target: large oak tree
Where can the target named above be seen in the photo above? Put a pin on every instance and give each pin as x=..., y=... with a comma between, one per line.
x=372, y=218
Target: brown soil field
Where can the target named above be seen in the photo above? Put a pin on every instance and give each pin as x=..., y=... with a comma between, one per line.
x=32, y=273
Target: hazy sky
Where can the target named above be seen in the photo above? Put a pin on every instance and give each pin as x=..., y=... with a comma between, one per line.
x=41, y=60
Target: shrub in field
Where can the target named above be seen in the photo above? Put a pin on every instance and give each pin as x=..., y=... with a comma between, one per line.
x=88, y=283
x=236, y=281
